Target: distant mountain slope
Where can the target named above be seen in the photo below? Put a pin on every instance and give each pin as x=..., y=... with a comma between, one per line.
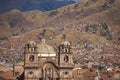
x=15, y=22
x=89, y=21
x=26, y=5
x=88, y=12
x=77, y=16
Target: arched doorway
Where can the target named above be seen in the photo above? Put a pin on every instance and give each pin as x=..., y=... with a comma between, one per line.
x=50, y=72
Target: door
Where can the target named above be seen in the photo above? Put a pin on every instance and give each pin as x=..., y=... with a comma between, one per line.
x=49, y=72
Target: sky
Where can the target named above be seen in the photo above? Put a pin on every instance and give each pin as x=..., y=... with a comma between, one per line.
x=71, y=0
x=7, y=5
x=76, y=0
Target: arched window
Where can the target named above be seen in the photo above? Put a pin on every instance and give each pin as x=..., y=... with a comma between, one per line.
x=31, y=58
x=66, y=50
x=66, y=58
x=30, y=72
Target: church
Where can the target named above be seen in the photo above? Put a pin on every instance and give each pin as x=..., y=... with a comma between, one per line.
x=42, y=62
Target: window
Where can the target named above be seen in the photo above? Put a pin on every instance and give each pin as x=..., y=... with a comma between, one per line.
x=66, y=58
x=66, y=50
x=66, y=73
x=30, y=72
x=31, y=58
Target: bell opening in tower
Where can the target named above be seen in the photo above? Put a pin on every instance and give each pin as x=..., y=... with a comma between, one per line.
x=31, y=58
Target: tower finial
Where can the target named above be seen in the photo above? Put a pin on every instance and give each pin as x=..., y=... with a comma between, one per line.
x=43, y=33
x=42, y=36
x=64, y=37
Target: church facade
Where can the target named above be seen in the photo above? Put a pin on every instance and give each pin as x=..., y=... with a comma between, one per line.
x=42, y=62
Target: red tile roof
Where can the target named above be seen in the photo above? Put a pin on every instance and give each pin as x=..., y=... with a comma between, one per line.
x=8, y=75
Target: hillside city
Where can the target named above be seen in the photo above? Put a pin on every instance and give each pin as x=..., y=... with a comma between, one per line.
x=92, y=28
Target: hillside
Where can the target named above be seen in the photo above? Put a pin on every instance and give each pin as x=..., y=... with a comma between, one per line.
x=89, y=21
x=88, y=12
x=16, y=22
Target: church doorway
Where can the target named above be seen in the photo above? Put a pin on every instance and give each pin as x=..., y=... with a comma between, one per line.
x=48, y=78
x=50, y=72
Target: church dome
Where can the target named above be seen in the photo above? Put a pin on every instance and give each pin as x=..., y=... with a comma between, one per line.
x=32, y=43
x=45, y=50
x=65, y=43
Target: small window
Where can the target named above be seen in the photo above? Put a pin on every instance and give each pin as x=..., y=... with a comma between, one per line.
x=32, y=49
x=31, y=58
x=66, y=58
x=66, y=73
x=66, y=50
x=30, y=72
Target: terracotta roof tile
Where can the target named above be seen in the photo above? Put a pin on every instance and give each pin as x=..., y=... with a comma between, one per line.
x=7, y=75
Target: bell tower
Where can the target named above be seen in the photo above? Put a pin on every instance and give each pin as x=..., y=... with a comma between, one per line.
x=65, y=60
x=31, y=61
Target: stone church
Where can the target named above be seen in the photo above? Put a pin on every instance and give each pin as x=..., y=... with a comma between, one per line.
x=42, y=62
